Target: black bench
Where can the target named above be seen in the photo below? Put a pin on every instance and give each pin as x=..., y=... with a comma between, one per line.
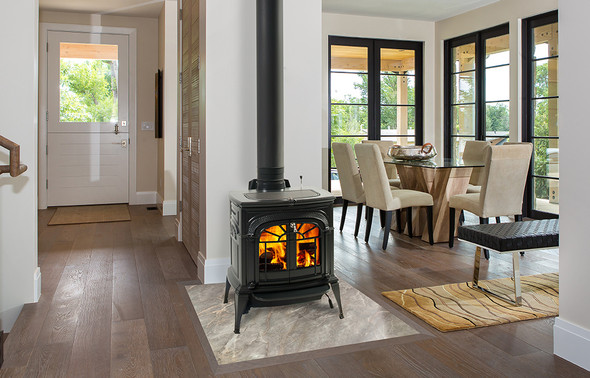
x=510, y=238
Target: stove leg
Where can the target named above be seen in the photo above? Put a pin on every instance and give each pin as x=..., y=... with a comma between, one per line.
x=336, y=290
x=240, y=305
x=227, y=286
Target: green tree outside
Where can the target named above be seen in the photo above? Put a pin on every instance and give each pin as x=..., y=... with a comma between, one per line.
x=88, y=90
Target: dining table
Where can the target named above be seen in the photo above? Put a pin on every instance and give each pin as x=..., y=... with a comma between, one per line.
x=442, y=178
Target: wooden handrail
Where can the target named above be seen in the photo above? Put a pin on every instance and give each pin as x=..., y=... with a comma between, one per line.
x=15, y=168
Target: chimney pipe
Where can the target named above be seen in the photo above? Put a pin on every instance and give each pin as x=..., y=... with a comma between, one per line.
x=269, y=84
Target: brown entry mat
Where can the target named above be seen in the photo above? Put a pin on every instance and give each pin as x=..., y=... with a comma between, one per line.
x=90, y=214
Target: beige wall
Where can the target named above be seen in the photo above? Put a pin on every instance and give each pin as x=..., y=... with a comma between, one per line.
x=160, y=141
x=147, y=65
x=167, y=145
x=504, y=11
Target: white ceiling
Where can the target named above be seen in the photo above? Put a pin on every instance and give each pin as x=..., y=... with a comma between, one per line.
x=429, y=10
x=134, y=8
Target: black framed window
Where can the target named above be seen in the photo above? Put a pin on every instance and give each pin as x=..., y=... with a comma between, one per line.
x=540, y=122
x=477, y=88
x=375, y=92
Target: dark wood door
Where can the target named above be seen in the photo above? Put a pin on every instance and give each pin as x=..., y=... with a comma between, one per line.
x=191, y=132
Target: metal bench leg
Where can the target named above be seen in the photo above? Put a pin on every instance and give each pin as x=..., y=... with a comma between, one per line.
x=476, y=267
x=516, y=276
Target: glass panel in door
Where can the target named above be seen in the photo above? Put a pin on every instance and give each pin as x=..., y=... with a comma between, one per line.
x=463, y=90
x=349, y=109
x=545, y=123
x=88, y=82
x=397, y=83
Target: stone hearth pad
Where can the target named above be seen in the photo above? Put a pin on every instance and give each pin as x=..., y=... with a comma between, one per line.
x=285, y=330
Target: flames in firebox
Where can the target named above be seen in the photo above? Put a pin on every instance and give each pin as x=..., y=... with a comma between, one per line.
x=272, y=247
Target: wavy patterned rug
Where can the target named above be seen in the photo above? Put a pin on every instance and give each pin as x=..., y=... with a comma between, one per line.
x=457, y=306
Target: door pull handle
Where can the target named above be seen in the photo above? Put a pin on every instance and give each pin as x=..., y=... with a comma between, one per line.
x=116, y=129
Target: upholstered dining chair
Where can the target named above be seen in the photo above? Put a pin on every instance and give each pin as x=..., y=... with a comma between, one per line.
x=474, y=153
x=384, y=146
x=350, y=182
x=502, y=186
x=379, y=195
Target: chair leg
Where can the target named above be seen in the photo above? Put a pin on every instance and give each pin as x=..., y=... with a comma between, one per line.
x=398, y=220
x=498, y=220
x=382, y=218
x=369, y=215
x=461, y=218
x=387, y=230
x=359, y=212
x=518, y=218
x=409, y=220
x=430, y=226
x=344, y=208
x=451, y=226
x=486, y=253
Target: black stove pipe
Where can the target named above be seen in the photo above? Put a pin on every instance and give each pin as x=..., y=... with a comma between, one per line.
x=269, y=81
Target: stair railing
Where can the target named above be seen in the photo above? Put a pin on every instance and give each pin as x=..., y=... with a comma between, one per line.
x=15, y=168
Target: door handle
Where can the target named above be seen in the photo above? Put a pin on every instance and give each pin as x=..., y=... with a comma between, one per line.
x=123, y=143
x=116, y=129
x=189, y=148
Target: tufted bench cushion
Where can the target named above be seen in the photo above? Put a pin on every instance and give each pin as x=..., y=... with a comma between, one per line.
x=504, y=237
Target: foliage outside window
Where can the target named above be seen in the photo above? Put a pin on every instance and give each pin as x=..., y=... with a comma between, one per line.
x=88, y=83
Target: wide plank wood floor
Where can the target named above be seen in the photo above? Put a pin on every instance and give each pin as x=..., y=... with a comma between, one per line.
x=111, y=306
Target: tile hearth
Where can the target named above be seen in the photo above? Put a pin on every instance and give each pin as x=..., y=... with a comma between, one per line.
x=283, y=330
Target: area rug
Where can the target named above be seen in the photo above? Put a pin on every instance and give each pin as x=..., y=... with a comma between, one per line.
x=278, y=333
x=458, y=306
x=90, y=214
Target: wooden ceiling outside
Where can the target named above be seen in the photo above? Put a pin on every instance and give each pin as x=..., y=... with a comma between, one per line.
x=356, y=58
x=88, y=51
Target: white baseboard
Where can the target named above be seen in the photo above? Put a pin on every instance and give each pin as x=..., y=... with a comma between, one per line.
x=212, y=270
x=571, y=342
x=143, y=198
x=37, y=284
x=169, y=207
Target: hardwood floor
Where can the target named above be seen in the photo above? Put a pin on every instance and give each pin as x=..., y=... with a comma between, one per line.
x=111, y=306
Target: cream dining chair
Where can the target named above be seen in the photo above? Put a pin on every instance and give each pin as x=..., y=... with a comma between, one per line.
x=379, y=195
x=384, y=146
x=502, y=186
x=474, y=153
x=350, y=182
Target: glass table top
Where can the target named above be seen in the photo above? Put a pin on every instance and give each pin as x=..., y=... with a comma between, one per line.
x=436, y=162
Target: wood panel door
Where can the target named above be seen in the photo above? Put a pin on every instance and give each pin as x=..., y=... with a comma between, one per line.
x=191, y=131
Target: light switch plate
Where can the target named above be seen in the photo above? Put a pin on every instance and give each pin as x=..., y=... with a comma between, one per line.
x=147, y=125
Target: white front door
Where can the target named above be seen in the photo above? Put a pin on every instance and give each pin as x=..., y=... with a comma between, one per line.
x=87, y=133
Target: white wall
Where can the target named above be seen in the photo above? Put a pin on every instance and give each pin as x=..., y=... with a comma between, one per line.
x=572, y=327
x=230, y=95
x=18, y=196
x=167, y=61
x=504, y=11
x=382, y=28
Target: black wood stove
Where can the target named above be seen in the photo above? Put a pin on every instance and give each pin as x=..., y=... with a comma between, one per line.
x=282, y=241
